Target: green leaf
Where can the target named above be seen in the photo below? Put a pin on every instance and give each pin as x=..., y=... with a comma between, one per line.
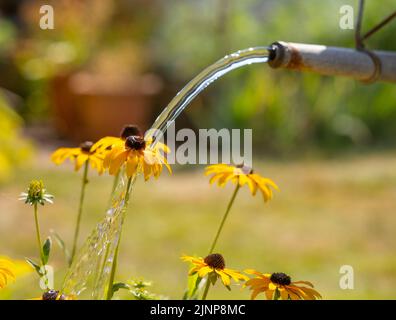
x=62, y=245
x=121, y=285
x=46, y=250
x=35, y=266
x=192, y=287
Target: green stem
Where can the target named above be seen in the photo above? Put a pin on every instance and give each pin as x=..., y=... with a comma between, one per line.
x=38, y=234
x=206, y=289
x=80, y=210
x=39, y=243
x=224, y=219
x=115, y=260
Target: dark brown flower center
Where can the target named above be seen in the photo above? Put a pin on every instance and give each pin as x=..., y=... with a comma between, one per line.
x=280, y=278
x=245, y=169
x=215, y=261
x=86, y=146
x=135, y=143
x=50, y=295
x=130, y=130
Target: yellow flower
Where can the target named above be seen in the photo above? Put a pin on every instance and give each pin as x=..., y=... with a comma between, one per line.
x=241, y=175
x=85, y=152
x=213, y=265
x=7, y=272
x=138, y=155
x=281, y=283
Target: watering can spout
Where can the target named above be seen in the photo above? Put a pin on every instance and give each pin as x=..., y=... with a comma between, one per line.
x=363, y=65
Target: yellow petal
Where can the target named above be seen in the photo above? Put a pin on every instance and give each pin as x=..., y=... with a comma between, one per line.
x=284, y=294
x=61, y=154
x=311, y=292
x=303, y=282
x=204, y=271
x=80, y=161
x=193, y=270
x=271, y=183
x=269, y=294
x=255, y=293
x=242, y=180
x=293, y=294
x=146, y=170
x=252, y=271
x=224, y=179
x=131, y=166
x=272, y=286
x=106, y=142
x=96, y=163
x=224, y=277
x=252, y=186
x=236, y=275
x=257, y=282
x=215, y=177
x=117, y=162
x=267, y=193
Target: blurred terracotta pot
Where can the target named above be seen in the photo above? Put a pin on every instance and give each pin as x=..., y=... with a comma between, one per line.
x=88, y=107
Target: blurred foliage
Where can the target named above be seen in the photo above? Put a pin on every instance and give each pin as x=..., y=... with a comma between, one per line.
x=287, y=111
x=176, y=39
x=14, y=150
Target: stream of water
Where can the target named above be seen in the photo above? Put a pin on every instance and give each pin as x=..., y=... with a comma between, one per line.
x=91, y=268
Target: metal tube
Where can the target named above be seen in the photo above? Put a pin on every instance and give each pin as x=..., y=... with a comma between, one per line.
x=333, y=61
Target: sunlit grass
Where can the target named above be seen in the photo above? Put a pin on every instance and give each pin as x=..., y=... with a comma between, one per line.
x=329, y=213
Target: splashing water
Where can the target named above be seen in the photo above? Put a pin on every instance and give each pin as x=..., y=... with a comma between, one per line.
x=92, y=265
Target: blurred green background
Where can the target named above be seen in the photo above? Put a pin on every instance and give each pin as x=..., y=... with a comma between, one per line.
x=328, y=142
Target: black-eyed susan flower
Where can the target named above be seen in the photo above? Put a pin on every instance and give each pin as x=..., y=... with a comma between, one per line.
x=241, y=175
x=136, y=154
x=7, y=273
x=36, y=194
x=279, y=285
x=213, y=267
x=84, y=154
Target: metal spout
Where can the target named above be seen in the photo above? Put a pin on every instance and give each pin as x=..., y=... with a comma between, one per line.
x=367, y=66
